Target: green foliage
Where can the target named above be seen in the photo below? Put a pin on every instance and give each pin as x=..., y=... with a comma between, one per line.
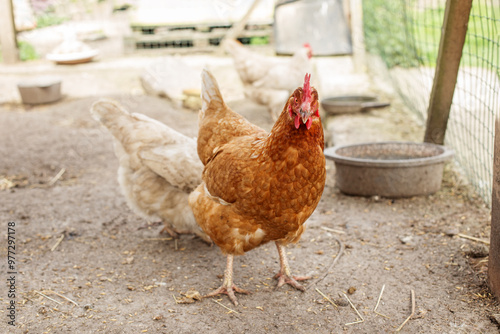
x=481, y=46
x=48, y=19
x=387, y=32
x=259, y=40
x=26, y=51
x=427, y=32
x=482, y=43
x=405, y=35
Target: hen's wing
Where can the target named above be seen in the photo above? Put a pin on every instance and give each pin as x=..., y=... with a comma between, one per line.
x=218, y=124
x=178, y=164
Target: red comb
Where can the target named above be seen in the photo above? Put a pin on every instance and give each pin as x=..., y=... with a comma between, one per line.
x=307, y=45
x=307, y=87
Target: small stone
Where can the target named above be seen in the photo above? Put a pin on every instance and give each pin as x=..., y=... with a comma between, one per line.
x=341, y=302
x=451, y=232
x=478, y=251
x=406, y=239
x=87, y=307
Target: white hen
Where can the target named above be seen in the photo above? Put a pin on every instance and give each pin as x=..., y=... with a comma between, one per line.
x=158, y=169
x=269, y=81
x=268, y=72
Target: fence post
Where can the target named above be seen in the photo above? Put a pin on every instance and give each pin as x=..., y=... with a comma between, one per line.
x=358, y=36
x=453, y=33
x=494, y=258
x=8, y=33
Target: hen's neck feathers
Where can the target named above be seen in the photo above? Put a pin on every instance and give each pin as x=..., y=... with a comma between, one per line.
x=284, y=131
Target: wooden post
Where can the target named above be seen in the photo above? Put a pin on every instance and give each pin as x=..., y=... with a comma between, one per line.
x=237, y=28
x=358, y=36
x=494, y=258
x=8, y=39
x=453, y=33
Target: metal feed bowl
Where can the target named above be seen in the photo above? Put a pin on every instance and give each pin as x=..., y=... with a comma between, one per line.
x=351, y=104
x=389, y=169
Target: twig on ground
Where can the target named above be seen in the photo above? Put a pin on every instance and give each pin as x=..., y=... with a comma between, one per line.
x=332, y=230
x=64, y=297
x=57, y=243
x=175, y=299
x=412, y=311
x=159, y=239
x=473, y=238
x=57, y=177
x=355, y=309
x=41, y=294
x=327, y=271
x=378, y=301
x=224, y=306
x=326, y=297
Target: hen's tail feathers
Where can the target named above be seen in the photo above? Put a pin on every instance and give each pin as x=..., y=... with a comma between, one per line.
x=130, y=129
x=210, y=93
x=110, y=114
x=104, y=110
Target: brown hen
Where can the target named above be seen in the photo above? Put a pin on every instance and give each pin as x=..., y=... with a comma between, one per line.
x=257, y=186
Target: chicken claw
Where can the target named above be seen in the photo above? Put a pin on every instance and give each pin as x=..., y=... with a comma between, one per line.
x=292, y=280
x=229, y=291
x=227, y=287
x=284, y=275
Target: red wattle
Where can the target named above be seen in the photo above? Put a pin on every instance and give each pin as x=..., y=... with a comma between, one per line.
x=309, y=123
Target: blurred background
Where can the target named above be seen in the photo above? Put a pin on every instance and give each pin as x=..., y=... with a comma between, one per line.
x=391, y=45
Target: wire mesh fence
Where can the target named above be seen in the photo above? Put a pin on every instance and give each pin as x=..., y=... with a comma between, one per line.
x=406, y=35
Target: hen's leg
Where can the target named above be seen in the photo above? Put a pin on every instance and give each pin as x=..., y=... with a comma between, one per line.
x=285, y=275
x=228, y=287
x=170, y=231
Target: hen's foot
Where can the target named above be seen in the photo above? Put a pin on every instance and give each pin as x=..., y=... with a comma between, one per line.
x=228, y=291
x=292, y=280
x=228, y=288
x=284, y=275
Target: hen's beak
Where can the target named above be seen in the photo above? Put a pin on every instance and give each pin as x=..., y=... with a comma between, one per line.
x=304, y=115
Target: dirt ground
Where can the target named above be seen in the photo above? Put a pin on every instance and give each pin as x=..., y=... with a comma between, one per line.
x=86, y=263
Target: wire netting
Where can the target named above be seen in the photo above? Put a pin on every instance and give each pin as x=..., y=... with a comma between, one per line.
x=406, y=35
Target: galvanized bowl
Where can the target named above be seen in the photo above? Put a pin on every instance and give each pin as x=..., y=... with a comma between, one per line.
x=42, y=89
x=389, y=169
x=351, y=104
